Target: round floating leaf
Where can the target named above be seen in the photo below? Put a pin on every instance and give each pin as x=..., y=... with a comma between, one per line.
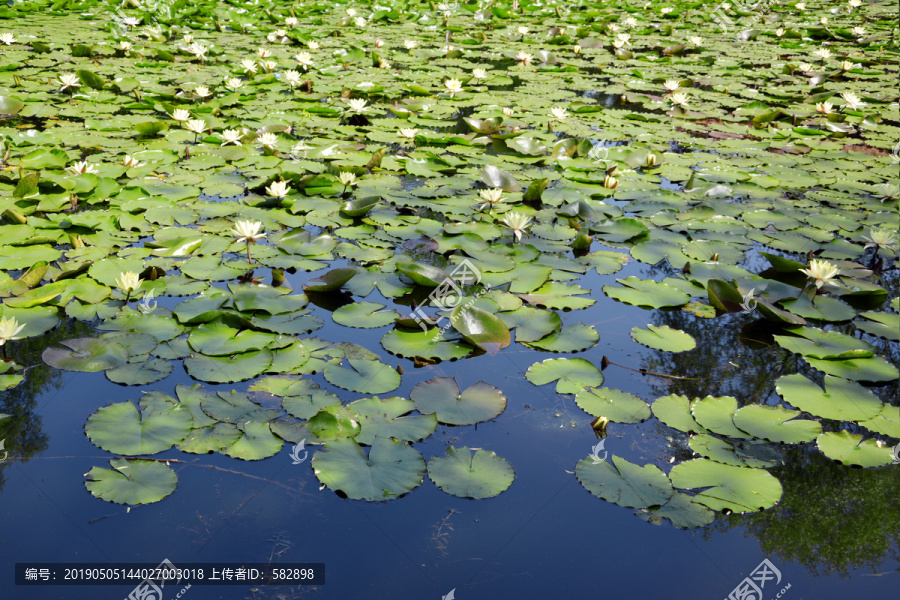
x=737, y=453
x=385, y=418
x=142, y=373
x=228, y=369
x=573, y=338
x=850, y=449
x=531, y=324
x=715, y=414
x=306, y=402
x=646, y=293
x=364, y=376
x=615, y=405
x=886, y=422
x=841, y=400
x=121, y=429
x=217, y=339
x=132, y=482
x=334, y=422
x=625, y=484
x=391, y=469
x=235, y=407
x=480, y=328
x=675, y=411
x=426, y=344
x=87, y=355
x=874, y=368
x=255, y=443
x=827, y=345
x=571, y=374
x=776, y=424
x=10, y=106
x=664, y=338
x=330, y=281
x=466, y=475
x=738, y=489
x=365, y=315
x=428, y=276
x=682, y=511
x=213, y=438
x=441, y=396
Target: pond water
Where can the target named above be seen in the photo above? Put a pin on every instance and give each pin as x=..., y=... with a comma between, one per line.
x=666, y=350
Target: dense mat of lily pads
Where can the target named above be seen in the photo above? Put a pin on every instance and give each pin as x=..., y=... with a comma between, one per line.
x=200, y=154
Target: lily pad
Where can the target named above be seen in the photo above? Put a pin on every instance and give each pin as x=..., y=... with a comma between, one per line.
x=464, y=474
x=850, y=449
x=624, y=483
x=725, y=487
x=364, y=376
x=841, y=400
x=386, y=418
x=391, y=469
x=121, y=429
x=615, y=405
x=86, y=355
x=572, y=375
x=776, y=424
x=664, y=338
x=132, y=482
x=441, y=396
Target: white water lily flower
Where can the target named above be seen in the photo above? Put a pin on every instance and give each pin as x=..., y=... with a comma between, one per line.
x=618, y=44
x=234, y=83
x=558, y=113
x=508, y=111
x=491, y=197
x=613, y=27
x=651, y=160
x=232, y=136
x=198, y=50
x=666, y=10
x=696, y=40
x=881, y=238
x=479, y=73
x=188, y=38
x=576, y=49
x=180, y=114
x=278, y=34
x=779, y=32
x=678, y=99
x=365, y=84
x=409, y=133
x=454, y=86
x=359, y=22
x=518, y=222
x=196, y=125
x=10, y=329
x=131, y=22
x=823, y=20
x=152, y=32
x=291, y=22
x=7, y=38
x=305, y=59
x=128, y=282
x=821, y=270
x=125, y=46
x=624, y=38
x=69, y=80
x=446, y=48
x=249, y=66
x=247, y=231
x=610, y=182
x=852, y=100
x=131, y=162
x=854, y=3
x=293, y=78
x=425, y=108
x=888, y=191
x=263, y=52
x=268, y=65
x=805, y=67
x=522, y=30
x=410, y=44
x=630, y=22
x=312, y=45
x=269, y=140
x=824, y=107
x=860, y=31
x=672, y=84
x=346, y=178
x=524, y=58
x=278, y=189
x=357, y=105
x=849, y=66
x=351, y=12
x=801, y=6
x=202, y=91
x=823, y=53
x=82, y=167
x=379, y=43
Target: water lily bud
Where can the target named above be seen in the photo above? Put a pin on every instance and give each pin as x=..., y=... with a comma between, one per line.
x=651, y=159
x=576, y=49
x=610, y=182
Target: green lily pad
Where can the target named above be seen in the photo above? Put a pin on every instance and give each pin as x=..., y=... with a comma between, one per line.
x=664, y=338
x=212, y=438
x=142, y=373
x=826, y=345
x=675, y=411
x=330, y=281
x=228, y=369
x=86, y=355
x=624, y=483
x=386, y=418
x=572, y=338
x=737, y=453
x=364, y=315
x=364, y=376
x=255, y=442
x=391, y=469
x=615, y=405
x=571, y=374
x=841, y=400
x=531, y=324
x=132, y=482
x=441, y=396
x=682, y=511
x=737, y=489
x=121, y=429
x=776, y=424
x=480, y=328
x=426, y=344
x=850, y=449
x=715, y=414
x=464, y=474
